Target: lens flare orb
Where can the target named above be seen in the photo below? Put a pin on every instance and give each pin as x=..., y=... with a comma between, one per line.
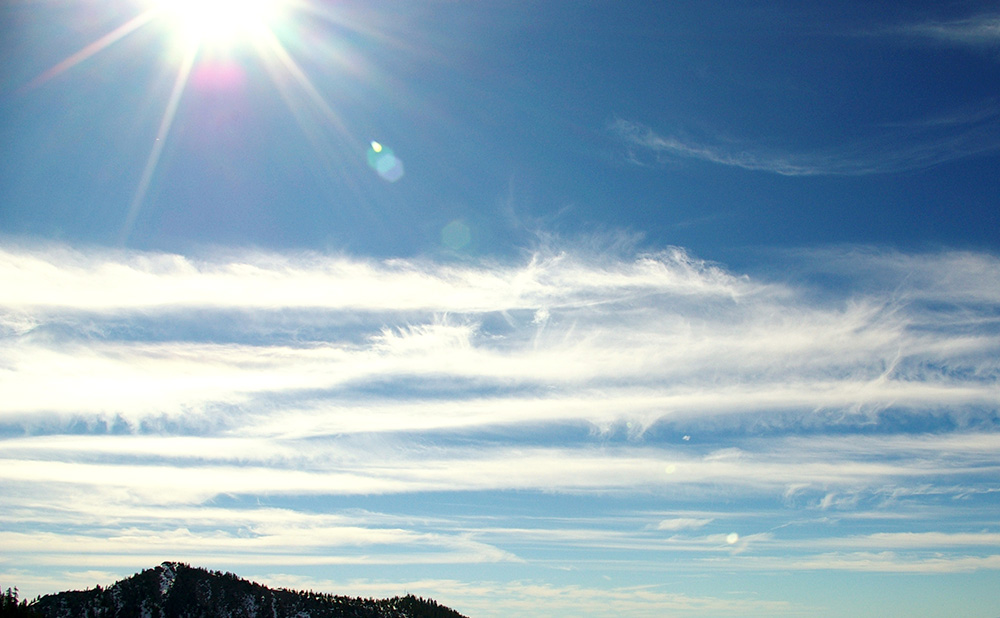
x=456, y=235
x=385, y=162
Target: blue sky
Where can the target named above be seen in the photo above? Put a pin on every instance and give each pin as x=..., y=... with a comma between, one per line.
x=560, y=308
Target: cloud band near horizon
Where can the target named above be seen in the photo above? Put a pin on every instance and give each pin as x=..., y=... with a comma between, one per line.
x=149, y=387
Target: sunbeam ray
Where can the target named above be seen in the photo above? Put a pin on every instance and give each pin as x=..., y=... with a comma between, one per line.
x=100, y=44
x=271, y=48
x=300, y=76
x=161, y=138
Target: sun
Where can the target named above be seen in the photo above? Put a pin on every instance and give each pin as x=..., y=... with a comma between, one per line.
x=218, y=44
x=219, y=23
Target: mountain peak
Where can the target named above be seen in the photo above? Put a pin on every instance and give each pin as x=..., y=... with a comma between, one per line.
x=177, y=590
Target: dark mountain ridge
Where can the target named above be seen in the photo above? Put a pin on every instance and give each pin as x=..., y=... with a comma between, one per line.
x=177, y=590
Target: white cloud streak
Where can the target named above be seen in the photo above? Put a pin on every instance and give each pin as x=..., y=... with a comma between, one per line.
x=892, y=149
x=686, y=336
x=103, y=280
x=981, y=31
x=202, y=468
x=491, y=598
x=682, y=523
x=141, y=392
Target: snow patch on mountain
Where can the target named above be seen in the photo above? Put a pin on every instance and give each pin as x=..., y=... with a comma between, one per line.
x=168, y=573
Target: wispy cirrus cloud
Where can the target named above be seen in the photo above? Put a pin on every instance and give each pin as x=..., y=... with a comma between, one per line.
x=980, y=31
x=543, y=600
x=568, y=337
x=151, y=399
x=915, y=146
x=328, y=467
x=682, y=523
x=58, y=276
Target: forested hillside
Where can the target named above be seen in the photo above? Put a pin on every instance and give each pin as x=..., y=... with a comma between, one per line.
x=176, y=590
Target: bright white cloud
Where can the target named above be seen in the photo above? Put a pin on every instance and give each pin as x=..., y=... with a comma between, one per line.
x=517, y=598
x=327, y=467
x=682, y=523
x=685, y=337
x=61, y=277
x=144, y=392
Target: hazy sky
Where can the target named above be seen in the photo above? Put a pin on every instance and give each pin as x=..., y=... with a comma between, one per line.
x=536, y=308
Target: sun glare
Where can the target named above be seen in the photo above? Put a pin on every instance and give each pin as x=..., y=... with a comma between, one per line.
x=200, y=34
x=219, y=23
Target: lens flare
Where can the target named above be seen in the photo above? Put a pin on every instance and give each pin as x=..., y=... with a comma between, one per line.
x=385, y=163
x=456, y=235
